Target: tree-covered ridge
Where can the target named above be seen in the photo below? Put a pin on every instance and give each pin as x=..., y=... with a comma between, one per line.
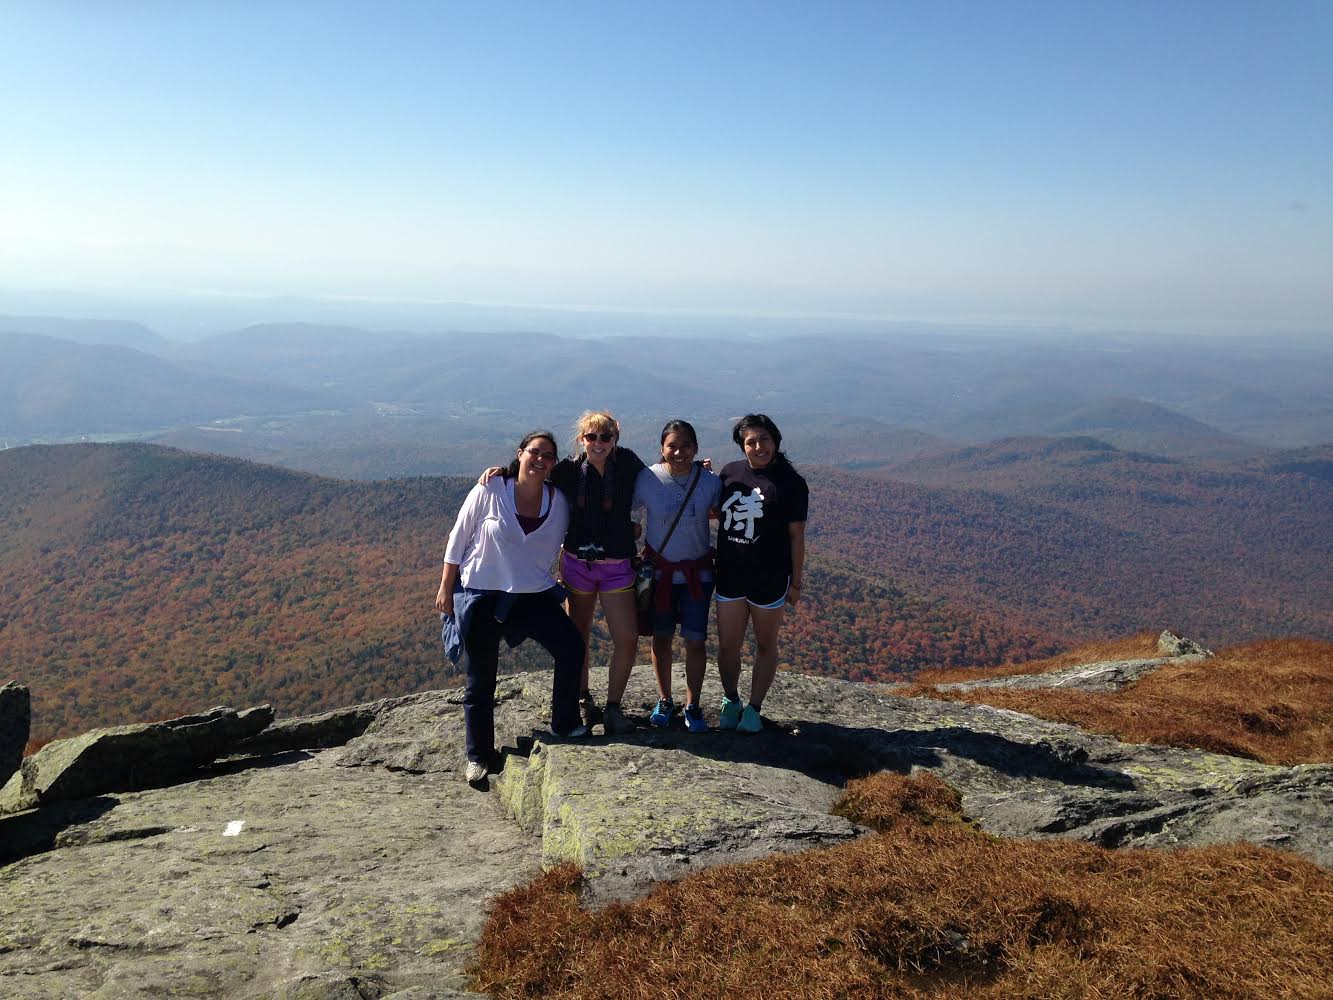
x=185, y=581
x=1078, y=538
x=139, y=582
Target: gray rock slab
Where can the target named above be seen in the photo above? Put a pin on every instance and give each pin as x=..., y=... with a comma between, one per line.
x=421, y=735
x=1170, y=644
x=365, y=870
x=1023, y=776
x=658, y=802
x=124, y=758
x=316, y=732
x=1104, y=676
x=657, y=807
x=15, y=723
x=333, y=879
x=1101, y=676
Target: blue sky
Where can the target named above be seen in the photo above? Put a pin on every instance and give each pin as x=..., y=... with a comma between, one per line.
x=1085, y=165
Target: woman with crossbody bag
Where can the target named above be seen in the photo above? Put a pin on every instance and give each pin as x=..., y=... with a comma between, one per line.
x=677, y=495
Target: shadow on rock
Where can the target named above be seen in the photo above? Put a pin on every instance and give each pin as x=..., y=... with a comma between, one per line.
x=39, y=830
x=865, y=751
x=833, y=753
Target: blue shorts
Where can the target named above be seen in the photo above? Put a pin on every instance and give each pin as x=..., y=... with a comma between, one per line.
x=692, y=614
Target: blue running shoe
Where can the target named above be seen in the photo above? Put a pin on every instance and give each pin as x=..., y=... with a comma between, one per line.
x=694, y=719
x=750, y=722
x=662, y=714
x=730, y=716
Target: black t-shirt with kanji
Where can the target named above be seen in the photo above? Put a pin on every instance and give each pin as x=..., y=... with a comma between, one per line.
x=753, y=513
x=599, y=510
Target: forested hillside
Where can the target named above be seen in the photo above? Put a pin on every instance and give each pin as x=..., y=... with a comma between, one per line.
x=139, y=582
x=1074, y=537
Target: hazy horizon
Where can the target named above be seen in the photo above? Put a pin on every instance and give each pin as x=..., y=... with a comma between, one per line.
x=189, y=316
x=1037, y=165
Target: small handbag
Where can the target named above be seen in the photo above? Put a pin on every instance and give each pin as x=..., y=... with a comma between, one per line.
x=645, y=573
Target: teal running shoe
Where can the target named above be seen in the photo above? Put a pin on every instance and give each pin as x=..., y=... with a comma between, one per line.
x=694, y=719
x=750, y=722
x=730, y=716
x=662, y=714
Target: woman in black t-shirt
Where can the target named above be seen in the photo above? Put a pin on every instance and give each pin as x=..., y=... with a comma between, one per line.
x=760, y=561
x=596, y=562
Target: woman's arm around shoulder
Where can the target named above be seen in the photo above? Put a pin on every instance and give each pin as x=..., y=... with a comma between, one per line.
x=559, y=513
x=644, y=488
x=631, y=458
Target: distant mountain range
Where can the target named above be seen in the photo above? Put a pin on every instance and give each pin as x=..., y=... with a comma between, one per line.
x=844, y=399
x=109, y=333
x=51, y=388
x=140, y=582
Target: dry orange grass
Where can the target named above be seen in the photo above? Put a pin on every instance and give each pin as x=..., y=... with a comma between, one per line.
x=1137, y=647
x=1270, y=701
x=937, y=911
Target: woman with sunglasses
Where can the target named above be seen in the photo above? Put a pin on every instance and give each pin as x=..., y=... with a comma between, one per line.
x=599, y=545
x=497, y=584
x=598, y=484
x=760, y=561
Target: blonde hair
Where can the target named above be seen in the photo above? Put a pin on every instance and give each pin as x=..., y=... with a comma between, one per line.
x=594, y=420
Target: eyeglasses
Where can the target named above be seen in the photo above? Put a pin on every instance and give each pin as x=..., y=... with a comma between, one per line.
x=604, y=436
x=538, y=454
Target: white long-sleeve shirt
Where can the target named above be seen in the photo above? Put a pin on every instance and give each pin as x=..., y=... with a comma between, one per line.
x=489, y=546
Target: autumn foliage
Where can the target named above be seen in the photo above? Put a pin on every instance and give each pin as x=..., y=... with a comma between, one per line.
x=141, y=583
x=1072, y=538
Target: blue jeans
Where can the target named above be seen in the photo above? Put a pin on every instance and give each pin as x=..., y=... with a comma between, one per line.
x=691, y=614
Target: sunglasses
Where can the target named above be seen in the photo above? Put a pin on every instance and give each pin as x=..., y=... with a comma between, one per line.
x=545, y=456
x=604, y=436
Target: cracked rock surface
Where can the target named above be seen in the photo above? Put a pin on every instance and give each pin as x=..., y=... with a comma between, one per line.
x=338, y=882
x=363, y=870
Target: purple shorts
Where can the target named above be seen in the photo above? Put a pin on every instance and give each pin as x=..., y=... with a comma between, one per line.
x=606, y=575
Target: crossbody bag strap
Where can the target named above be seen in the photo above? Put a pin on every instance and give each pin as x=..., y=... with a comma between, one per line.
x=698, y=471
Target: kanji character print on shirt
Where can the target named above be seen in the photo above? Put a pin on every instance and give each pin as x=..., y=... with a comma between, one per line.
x=740, y=512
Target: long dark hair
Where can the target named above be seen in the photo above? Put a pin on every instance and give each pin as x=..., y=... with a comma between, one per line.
x=763, y=422
x=679, y=426
x=511, y=470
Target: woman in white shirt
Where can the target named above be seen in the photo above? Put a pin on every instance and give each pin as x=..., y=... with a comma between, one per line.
x=497, y=583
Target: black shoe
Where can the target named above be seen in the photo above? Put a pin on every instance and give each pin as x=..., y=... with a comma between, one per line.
x=617, y=723
x=589, y=711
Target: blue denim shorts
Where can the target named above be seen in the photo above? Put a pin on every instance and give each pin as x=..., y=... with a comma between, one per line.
x=691, y=614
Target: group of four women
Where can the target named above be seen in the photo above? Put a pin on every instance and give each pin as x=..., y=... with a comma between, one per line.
x=498, y=582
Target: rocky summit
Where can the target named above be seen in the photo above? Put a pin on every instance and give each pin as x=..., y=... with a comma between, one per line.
x=343, y=855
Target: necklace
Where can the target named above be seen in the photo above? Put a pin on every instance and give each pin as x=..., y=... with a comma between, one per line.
x=681, y=481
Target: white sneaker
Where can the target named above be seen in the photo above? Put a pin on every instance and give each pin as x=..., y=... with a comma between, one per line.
x=476, y=770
